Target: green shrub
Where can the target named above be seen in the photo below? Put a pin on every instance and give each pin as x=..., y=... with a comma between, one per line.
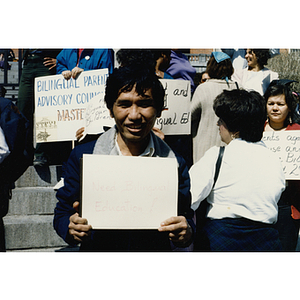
x=287, y=65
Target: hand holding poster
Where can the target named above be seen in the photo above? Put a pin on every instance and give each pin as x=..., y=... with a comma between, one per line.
x=126, y=192
x=285, y=144
x=60, y=105
x=176, y=118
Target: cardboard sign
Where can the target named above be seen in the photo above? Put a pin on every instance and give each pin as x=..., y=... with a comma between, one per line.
x=176, y=118
x=63, y=106
x=286, y=144
x=60, y=105
x=125, y=192
x=97, y=115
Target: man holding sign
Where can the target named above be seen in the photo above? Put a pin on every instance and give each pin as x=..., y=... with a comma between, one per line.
x=134, y=97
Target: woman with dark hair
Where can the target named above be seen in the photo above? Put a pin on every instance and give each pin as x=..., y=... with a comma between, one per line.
x=281, y=111
x=243, y=201
x=204, y=132
x=256, y=76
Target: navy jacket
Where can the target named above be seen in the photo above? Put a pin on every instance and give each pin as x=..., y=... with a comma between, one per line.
x=16, y=131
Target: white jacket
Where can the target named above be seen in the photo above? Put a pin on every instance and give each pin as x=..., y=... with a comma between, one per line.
x=257, y=81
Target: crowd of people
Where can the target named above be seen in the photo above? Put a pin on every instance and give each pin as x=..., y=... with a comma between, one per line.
x=232, y=191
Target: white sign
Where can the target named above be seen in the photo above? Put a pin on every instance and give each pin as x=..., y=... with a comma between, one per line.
x=176, y=118
x=97, y=115
x=125, y=192
x=286, y=144
x=60, y=105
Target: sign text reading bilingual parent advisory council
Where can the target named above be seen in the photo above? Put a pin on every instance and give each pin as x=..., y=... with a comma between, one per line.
x=60, y=104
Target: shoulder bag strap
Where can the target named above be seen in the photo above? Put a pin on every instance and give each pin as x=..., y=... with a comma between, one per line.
x=200, y=240
x=218, y=164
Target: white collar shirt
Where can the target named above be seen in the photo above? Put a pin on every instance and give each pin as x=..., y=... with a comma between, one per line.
x=149, y=151
x=249, y=185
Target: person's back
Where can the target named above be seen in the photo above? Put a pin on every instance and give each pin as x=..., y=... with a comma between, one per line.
x=249, y=176
x=204, y=130
x=243, y=202
x=180, y=68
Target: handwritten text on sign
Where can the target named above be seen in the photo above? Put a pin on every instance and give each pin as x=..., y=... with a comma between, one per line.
x=123, y=192
x=176, y=118
x=60, y=104
x=97, y=115
x=286, y=144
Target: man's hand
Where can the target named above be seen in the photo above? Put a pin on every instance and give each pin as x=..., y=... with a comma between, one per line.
x=180, y=230
x=50, y=62
x=158, y=132
x=79, y=133
x=78, y=227
x=67, y=74
x=76, y=72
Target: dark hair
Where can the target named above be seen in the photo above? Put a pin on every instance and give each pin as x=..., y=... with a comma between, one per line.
x=123, y=79
x=157, y=53
x=291, y=101
x=262, y=56
x=219, y=70
x=243, y=112
x=126, y=57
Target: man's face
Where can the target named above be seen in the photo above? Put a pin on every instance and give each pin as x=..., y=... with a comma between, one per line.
x=134, y=115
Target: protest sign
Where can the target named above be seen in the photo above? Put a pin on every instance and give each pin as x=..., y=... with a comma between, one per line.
x=125, y=192
x=176, y=118
x=60, y=105
x=97, y=115
x=285, y=144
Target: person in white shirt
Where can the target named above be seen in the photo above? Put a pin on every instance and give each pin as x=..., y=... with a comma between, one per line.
x=243, y=202
x=256, y=76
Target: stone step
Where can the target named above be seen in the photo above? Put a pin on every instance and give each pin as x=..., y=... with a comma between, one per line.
x=28, y=224
x=40, y=176
x=32, y=201
x=48, y=249
x=29, y=232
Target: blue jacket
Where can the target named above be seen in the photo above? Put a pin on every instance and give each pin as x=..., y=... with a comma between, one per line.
x=90, y=59
x=117, y=240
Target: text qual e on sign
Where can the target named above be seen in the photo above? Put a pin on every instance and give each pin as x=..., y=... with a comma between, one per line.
x=125, y=192
x=286, y=145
